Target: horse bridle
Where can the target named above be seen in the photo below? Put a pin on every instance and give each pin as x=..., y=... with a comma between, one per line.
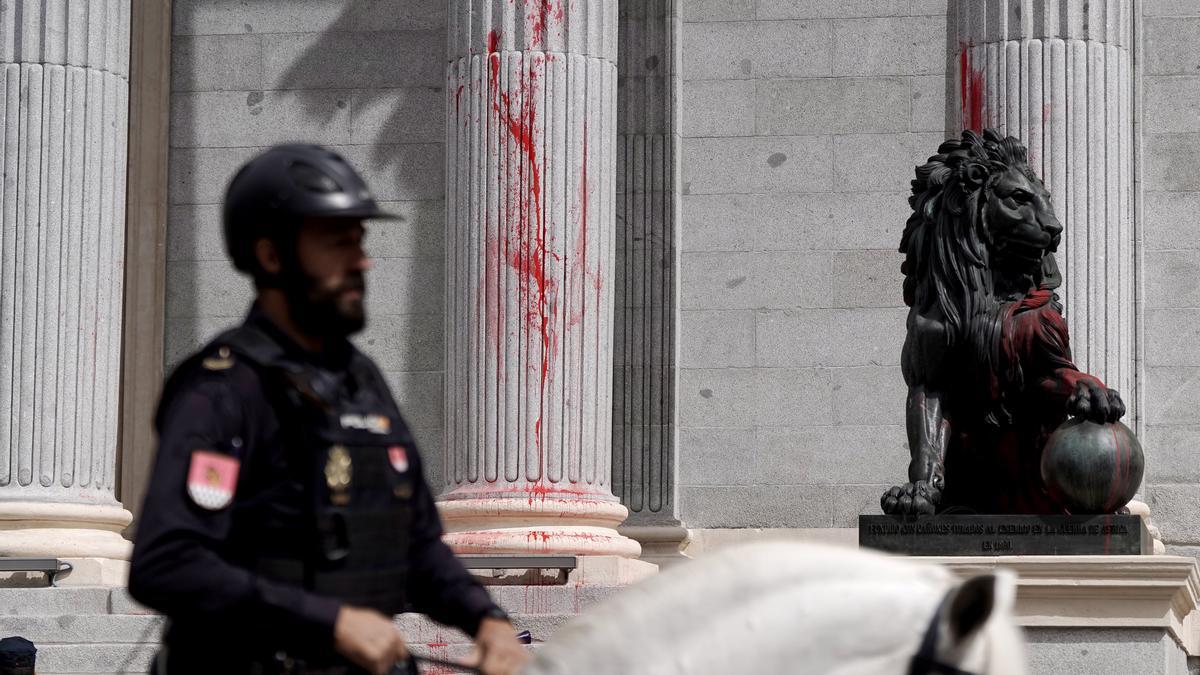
x=925, y=661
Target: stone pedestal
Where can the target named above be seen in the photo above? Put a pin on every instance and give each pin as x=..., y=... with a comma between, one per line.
x=1058, y=75
x=531, y=95
x=63, y=119
x=1109, y=615
x=1008, y=535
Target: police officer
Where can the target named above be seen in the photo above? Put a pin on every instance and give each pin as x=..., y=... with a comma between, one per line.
x=287, y=518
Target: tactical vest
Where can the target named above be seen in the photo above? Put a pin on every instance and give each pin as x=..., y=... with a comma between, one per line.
x=336, y=513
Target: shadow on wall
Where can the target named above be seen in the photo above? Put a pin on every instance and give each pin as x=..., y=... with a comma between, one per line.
x=378, y=60
x=364, y=77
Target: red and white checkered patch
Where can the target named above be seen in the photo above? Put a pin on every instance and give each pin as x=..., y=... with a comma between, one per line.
x=212, y=479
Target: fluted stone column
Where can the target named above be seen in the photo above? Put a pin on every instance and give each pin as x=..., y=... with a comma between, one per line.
x=63, y=116
x=645, y=329
x=531, y=145
x=1058, y=75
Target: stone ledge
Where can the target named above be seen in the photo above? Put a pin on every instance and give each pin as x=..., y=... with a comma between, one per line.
x=704, y=540
x=1158, y=591
x=661, y=545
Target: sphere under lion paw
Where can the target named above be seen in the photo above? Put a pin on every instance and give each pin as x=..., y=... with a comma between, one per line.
x=1092, y=468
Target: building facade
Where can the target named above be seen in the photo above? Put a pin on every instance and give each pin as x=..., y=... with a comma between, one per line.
x=708, y=198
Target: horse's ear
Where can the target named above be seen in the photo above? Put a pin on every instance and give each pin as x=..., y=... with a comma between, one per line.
x=976, y=601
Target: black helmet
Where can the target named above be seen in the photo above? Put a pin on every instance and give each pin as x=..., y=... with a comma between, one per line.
x=17, y=655
x=274, y=192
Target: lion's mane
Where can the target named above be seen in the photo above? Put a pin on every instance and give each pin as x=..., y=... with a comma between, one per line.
x=948, y=248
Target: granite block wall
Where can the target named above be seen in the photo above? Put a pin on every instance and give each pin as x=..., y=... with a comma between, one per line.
x=362, y=76
x=802, y=122
x=1170, y=232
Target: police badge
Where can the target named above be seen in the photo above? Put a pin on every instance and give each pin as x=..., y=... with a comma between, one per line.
x=338, y=469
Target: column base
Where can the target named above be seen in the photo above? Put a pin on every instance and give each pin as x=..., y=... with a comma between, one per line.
x=505, y=525
x=64, y=530
x=661, y=544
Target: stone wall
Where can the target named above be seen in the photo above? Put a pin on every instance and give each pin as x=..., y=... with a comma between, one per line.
x=802, y=122
x=363, y=76
x=1170, y=172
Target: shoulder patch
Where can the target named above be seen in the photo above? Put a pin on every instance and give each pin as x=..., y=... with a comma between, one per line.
x=222, y=360
x=212, y=479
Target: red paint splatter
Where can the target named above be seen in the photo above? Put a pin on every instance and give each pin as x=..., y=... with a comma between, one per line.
x=537, y=491
x=529, y=258
x=542, y=13
x=523, y=242
x=970, y=91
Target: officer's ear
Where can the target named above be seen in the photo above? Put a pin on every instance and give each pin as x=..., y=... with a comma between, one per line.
x=267, y=256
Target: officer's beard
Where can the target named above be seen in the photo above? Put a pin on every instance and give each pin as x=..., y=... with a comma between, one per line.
x=326, y=312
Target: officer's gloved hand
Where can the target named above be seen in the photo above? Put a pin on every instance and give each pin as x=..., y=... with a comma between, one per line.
x=497, y=649
x=369, y=639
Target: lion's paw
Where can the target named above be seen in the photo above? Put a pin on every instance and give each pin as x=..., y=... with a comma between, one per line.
x=917, y=498
x=1095, y=402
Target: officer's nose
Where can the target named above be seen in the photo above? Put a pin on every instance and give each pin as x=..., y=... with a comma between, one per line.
x=362, y=263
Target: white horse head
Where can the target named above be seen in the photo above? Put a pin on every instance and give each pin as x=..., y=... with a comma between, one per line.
x=786, y=607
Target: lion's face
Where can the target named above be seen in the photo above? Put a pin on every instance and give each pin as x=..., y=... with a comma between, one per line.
x=1021, y=221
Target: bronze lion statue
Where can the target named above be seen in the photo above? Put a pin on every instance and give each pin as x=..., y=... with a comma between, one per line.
x=986, y=358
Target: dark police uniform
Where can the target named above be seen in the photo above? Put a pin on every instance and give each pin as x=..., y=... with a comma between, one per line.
x=286, y=484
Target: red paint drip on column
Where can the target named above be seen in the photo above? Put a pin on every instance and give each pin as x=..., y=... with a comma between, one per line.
x=541, y=14
x=970, y=82
x=529, y=258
